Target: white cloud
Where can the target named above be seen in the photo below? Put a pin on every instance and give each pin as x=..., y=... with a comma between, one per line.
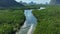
x=37, y=1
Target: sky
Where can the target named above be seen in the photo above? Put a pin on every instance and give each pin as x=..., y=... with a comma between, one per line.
x=37, y=1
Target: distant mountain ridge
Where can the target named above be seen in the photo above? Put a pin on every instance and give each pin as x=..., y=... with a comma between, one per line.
x=9, y=3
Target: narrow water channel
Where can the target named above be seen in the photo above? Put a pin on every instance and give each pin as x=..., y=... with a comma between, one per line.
x=30, y=23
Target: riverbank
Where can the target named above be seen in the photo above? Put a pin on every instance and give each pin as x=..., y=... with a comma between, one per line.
x=48, y=20
x=11, y=20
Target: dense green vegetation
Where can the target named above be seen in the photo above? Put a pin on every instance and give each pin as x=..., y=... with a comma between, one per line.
x=11, y=20
x=48, y=20
x=36, y=6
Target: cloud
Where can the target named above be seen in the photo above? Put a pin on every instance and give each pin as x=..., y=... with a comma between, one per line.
x=37, y=1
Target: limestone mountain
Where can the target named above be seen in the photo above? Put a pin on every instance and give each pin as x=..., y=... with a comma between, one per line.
x=9, y=3
x=55, y=2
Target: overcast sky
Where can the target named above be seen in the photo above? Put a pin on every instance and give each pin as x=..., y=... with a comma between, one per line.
x=37, y=1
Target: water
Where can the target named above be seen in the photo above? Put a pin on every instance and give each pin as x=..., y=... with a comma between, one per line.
x=30, y=23
x=41, y=8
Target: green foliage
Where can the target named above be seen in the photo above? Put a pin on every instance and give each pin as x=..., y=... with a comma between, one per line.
x=48, y=20
x=11, y=20
x=32, y=6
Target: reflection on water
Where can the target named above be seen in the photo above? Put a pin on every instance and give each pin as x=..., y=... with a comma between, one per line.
x=29, y=24
x=41, y=8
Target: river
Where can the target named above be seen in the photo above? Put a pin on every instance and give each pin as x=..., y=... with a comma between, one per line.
x=29, y=24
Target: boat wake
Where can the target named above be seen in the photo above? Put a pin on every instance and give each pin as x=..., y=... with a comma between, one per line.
x=30, y=23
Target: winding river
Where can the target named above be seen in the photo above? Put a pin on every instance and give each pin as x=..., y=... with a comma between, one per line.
x=30, y=23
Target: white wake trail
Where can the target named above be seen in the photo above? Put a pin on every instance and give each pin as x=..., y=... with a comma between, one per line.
x=30, y=30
